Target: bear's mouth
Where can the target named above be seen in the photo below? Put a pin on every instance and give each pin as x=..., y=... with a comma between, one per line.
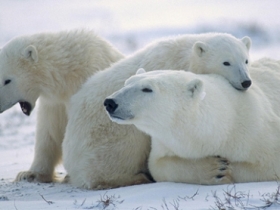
x=25, y=107
x=116, y=117
x=120, y=119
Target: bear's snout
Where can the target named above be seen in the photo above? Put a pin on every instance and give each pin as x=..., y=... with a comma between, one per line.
x=246, y=84
x=110, y=105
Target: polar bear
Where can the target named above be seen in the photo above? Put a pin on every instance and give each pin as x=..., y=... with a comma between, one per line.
x=192, y=116
x=99, y=154
x=51, y=67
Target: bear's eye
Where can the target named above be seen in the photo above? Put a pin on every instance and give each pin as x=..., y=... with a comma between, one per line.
x=246, y=61
x=226, y=63
x=7, y=81
x=147, y=90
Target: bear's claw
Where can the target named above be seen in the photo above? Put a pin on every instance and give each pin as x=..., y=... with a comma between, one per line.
x=217, y=170
x=224, y=171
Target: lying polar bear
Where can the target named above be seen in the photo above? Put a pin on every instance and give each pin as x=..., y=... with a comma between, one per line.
x=99, y=154
x=192, y=116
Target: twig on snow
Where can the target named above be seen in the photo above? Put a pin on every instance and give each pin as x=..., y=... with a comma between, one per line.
x=48, y=202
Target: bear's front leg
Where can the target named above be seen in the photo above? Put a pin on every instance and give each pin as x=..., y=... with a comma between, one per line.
x=51, y=122
x=206, y=171
x=166, y=166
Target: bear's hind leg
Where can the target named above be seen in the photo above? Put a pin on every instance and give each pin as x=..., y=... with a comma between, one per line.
x=129, y=181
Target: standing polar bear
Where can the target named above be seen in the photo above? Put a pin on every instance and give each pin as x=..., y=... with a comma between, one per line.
x=100, y=154
x=193, y=116
x=51, y=67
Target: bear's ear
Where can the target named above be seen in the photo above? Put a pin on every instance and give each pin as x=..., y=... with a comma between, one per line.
x=30, y=52
x=247, y=41
x=195, y=89
x=140, y=71
x=199, y=48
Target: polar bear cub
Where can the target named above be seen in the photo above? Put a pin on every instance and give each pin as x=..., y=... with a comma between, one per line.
x=192, y=116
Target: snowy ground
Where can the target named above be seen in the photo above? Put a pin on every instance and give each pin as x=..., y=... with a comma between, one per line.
x=129, y=25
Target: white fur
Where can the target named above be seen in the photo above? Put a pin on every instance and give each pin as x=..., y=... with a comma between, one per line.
x=243, y=127
x=51, y=67
x=100, y=154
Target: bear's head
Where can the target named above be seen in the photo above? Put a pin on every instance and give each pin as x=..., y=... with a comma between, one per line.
x=224, y=55
x=149, y=99
x=17, y=76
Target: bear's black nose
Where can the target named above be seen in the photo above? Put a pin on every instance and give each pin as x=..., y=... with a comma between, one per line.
x=110, y=105
x=246, y=84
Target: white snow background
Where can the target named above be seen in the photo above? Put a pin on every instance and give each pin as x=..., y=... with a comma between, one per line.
x=130, y=25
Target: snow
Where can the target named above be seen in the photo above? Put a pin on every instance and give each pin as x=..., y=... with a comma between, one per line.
x=129, y=25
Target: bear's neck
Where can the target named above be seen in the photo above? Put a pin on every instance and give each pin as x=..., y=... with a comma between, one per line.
x=205, y=126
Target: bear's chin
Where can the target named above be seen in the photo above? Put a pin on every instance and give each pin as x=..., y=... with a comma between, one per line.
x=26, y=107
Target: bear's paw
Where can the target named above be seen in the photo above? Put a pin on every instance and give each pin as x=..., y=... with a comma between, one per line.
x=31, y=176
